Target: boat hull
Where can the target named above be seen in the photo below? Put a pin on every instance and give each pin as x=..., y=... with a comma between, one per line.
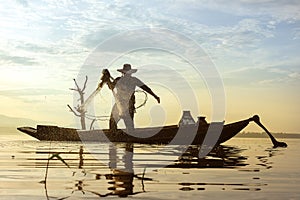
x=187, y=134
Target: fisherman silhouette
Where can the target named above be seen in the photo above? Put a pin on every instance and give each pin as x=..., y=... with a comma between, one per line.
x=123, y=89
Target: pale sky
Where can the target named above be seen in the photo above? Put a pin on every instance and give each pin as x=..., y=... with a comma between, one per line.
x=252, y=45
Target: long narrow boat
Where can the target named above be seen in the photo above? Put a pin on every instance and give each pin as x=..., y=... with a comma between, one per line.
x=174, y=134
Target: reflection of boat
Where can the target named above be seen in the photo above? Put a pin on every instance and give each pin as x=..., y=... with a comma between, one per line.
x=178, y=134
x=220, y=157
x=120, y=169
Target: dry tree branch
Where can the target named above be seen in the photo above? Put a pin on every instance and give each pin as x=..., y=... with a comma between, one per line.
x=71, y=110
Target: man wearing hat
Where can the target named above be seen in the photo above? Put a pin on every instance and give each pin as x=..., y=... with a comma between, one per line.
x=123, y=89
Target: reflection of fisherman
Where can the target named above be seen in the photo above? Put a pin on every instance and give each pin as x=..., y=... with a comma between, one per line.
x=123, y=88
x=123, y=177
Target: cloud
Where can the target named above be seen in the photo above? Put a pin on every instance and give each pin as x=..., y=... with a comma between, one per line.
x=73, y=26
x=274, y=75
x=32, y=95
x=16, y=60
x=22, y=2
x=277, y=10
x=296, y=33
x=37, y=47
x=294, y=75
x=32, y=92
x=290, y=79
x=58, y=35
x=247, y=33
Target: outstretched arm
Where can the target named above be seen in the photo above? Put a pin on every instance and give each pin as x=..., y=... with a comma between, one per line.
x=147, y=89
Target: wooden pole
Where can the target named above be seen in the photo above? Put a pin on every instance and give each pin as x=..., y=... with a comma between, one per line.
x=274, y=141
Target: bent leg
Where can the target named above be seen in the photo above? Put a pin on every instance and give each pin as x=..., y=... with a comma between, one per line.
x=129, y=119
x=129, y=124
x=114, y=119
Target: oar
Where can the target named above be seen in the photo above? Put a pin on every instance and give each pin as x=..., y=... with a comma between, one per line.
x=274, y=141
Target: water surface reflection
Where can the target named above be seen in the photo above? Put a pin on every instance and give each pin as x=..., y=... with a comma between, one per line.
x=129, y=169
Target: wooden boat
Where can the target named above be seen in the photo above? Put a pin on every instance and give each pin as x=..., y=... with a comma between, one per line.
x=173, y=134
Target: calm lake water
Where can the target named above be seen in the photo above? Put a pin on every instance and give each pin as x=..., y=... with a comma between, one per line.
x=241, y=168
